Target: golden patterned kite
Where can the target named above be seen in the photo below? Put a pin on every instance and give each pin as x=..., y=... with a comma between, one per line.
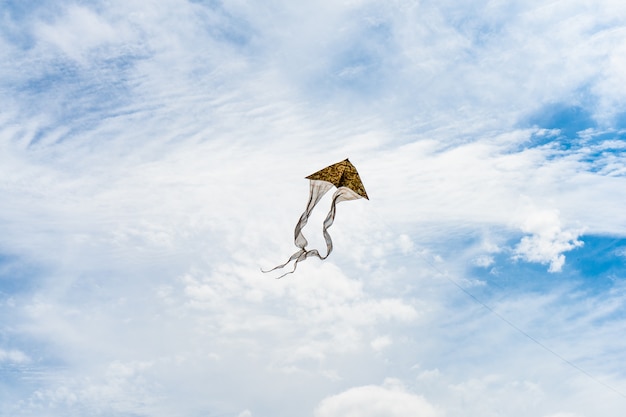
x=345, y=177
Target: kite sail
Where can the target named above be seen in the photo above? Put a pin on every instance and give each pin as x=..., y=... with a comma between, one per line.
x=345, y=177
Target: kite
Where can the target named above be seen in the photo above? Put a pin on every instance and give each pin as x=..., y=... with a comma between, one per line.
x=345, y=177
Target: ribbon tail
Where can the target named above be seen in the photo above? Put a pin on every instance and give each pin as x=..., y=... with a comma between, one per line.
x=317, y=189
x=342, y=194
x=301, y=256
x=330, y=219
x=291, y=258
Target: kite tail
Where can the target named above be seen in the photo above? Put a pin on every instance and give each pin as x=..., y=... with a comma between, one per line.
x=330, y=219
x=317, y=190
x=291, y=258
x=342, y=194
x=299, y=256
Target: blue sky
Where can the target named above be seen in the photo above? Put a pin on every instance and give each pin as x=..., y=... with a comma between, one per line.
x=152, y=160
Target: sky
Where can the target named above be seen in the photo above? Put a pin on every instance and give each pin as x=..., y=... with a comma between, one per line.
x=153, y=157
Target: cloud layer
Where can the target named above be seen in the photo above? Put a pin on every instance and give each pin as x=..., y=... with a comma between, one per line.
x=152, y=160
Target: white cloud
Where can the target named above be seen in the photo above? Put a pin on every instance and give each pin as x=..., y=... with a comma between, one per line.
x=548, y=241
x=78, y=31
x=429, y=374
x=123, y=388
x=484, y=261
x=389, y=400
x=381, y=343
x=13, y=356
x=406, y=244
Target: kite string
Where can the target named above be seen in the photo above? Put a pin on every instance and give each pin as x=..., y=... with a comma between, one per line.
x=507, y=321
x=519, y=329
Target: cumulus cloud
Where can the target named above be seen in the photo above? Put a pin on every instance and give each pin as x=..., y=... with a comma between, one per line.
x=547, y=241
x=389, y=400
x=484, y=261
